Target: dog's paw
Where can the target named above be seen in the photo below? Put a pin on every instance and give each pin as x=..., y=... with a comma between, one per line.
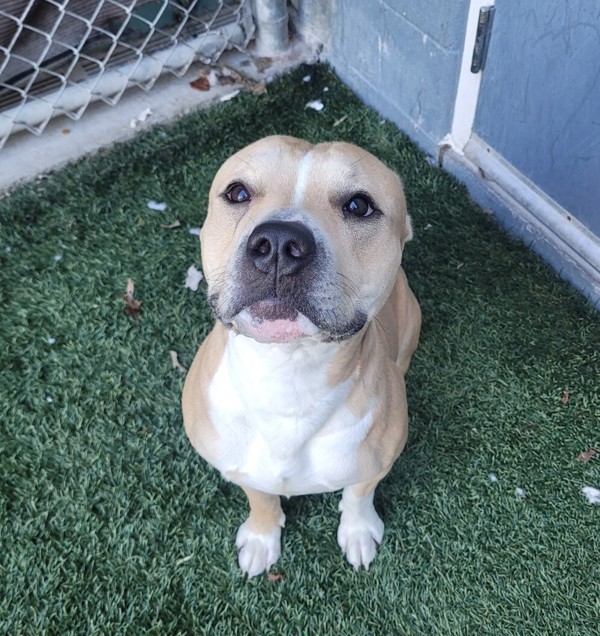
x=257, y=552
x=358, y=537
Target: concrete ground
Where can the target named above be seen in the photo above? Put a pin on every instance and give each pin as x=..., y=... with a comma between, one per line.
x=26, y=156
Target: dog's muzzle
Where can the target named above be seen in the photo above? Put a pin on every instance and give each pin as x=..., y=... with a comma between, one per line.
x=284, y=288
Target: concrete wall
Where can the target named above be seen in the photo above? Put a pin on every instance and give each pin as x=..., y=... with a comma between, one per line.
x=401, y=57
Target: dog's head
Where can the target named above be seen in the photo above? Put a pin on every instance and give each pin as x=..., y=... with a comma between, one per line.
x=302, y=240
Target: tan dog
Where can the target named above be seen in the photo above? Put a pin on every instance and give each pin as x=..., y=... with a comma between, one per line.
x=299, y=388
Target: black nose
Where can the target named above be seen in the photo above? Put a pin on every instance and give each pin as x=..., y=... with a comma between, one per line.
x=281, y=247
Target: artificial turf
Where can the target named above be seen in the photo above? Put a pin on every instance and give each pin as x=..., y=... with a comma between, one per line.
x=112, y=524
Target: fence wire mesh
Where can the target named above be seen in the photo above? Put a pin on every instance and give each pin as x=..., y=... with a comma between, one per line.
x=57, y=56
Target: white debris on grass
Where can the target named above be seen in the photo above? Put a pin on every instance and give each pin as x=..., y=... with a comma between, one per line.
x=316, y=104
x=157, y=206
x=195, y=231
x=49, y=399
x=141, y=118
x=519, y=493
x=493, y=477
x=193, y=278
x=175, y=362
x=50, y=341
x=428, y=226
x=8, y=249
x=592, y=494
x=228, y=96
x=306, y=79
x=58, y=257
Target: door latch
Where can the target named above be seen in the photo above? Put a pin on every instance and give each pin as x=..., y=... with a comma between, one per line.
x=482, y=38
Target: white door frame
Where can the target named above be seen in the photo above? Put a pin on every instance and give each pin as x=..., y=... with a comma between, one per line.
x=469, y=85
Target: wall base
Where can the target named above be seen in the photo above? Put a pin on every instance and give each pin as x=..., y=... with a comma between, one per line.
x=526, y=212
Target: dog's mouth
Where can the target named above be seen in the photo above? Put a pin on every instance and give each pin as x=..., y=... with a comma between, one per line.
x=274, y=321
x=272, y=310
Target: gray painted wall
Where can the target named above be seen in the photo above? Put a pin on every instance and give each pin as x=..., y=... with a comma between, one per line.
x=402, y=57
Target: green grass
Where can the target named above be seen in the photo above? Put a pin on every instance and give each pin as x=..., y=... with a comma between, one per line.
x=111, y=524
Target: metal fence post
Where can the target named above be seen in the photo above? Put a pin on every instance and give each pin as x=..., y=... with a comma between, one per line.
x=271, y=19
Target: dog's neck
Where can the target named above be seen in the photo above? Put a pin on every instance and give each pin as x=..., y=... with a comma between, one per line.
x=289, y=384
x=279, y=364
x=302, y=354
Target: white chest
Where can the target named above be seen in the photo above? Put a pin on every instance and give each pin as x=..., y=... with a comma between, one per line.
x=282, y=428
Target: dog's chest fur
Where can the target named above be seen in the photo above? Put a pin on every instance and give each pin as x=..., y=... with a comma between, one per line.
x=282, y=428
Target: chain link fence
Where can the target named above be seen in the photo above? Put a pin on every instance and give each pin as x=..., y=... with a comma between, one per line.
x=57, y=56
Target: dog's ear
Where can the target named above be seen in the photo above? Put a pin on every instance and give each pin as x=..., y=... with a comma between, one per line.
x=408, y=231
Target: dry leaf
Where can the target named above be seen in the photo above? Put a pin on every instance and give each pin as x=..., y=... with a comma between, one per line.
x=225, y=80
x=565, y=397
x=337, y=122
x=175, y=362
x=201, y=84
x=230, y=76
x=263, y=63
x=133, y=307
x=171, y=226
x=273, y=578
x=587, y=455
x=66, y=131
x=258, y=88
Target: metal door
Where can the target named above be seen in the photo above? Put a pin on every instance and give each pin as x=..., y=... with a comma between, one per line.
x=539, y=102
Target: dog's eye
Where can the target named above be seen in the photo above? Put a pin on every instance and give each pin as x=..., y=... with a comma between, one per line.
x=359, y=205
x=237, y=193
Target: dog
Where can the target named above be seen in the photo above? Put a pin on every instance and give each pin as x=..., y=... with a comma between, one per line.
x=299, y=388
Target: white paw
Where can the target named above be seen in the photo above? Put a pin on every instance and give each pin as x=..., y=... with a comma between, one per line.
x=257, y=552
x=358, y=537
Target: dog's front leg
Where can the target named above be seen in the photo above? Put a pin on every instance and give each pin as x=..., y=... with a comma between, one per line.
x=259, y=538
x=360, y=528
